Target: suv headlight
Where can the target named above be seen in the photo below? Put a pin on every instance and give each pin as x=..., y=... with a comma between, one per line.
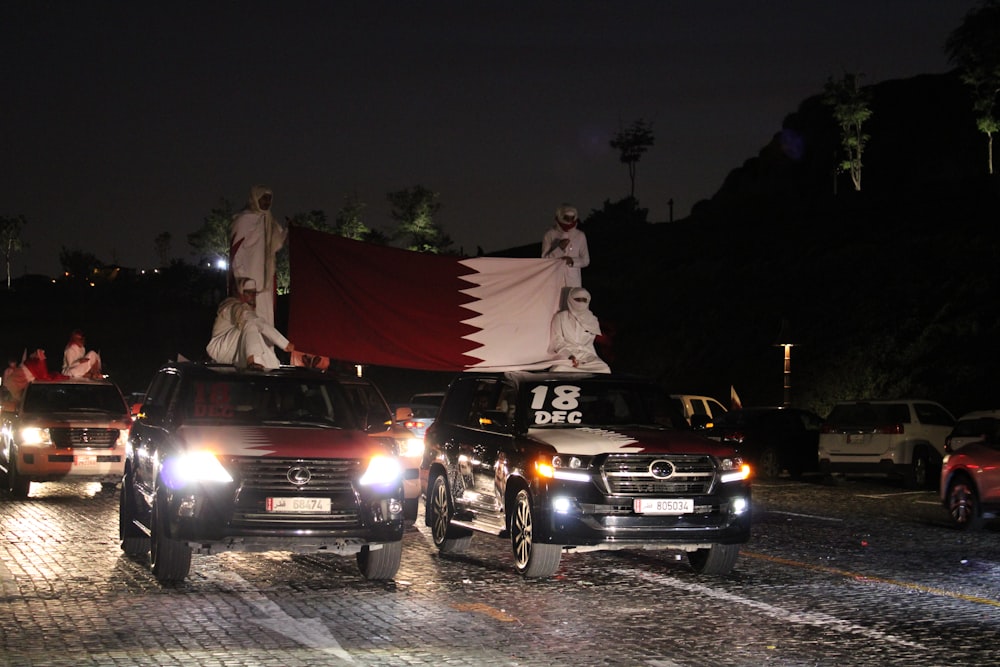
x=32, y=435
x=569, y=468
x=192, y=468
x=382, y=471
x=733, y=469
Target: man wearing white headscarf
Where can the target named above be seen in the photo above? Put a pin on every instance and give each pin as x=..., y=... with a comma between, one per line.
x=255, y=239
x=564, y=240
x=572, y=336
x=240, y=336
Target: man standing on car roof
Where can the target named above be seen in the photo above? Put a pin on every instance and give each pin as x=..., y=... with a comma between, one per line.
x=240, y=336
x=566, y=241
x=255, y=239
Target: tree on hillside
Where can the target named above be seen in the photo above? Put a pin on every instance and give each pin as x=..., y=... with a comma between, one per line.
x=974, y=47
x=623, y=211
x=414, y=210
x=631, y=143
x=851, y=106
x=79, y=265
x=211, y=241
x=349, y=223
x=10, y=239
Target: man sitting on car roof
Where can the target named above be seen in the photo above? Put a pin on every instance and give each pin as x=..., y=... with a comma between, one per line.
x=242, y=338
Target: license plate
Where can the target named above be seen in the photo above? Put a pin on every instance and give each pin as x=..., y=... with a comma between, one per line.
x=663, y=506
x=298, y=505
x=855, y=438
x=85, y=460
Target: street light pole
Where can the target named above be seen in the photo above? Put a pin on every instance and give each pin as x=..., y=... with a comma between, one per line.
x=784, y=340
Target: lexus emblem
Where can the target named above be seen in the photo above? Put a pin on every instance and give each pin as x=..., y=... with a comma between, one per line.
x=661, y=469
x=299, y=475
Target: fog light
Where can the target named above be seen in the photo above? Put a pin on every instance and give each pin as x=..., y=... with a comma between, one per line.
x=561, y=505
x=395, y=507
x=739, y=505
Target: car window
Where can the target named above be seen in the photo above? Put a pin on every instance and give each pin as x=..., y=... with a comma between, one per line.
x=74, y=398
x=257, y=399
x=931, y=413
x=987, y=426
x=595, y=404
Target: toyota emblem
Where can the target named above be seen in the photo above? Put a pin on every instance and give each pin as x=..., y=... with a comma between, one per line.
x=661, y=469
x=299, y=475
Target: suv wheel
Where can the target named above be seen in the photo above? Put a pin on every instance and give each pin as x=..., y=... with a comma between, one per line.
x=169, y=559
x=17, y=484
x=717, y=559
x=447, y=539
x=134, y=541
x=916, y=476
x=380, y=563
x=530, y=558
x=963, y=504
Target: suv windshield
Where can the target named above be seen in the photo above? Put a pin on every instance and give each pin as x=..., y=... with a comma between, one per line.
x=598, y=404
x=71, y=397
x=259, y=399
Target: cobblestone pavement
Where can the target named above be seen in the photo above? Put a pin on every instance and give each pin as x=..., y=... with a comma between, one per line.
x=859, y=573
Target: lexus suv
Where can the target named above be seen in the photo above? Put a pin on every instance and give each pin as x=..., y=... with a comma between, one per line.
x=70, y=429
x=561, y=461
x=226, y=460
x=899, y=438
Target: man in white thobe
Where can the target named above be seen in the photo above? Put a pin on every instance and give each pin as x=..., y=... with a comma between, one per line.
x=255, y=239
x=240, y=336
x=572, y=336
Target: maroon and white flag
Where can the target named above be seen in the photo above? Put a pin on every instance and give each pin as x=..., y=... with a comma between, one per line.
x=372, y=304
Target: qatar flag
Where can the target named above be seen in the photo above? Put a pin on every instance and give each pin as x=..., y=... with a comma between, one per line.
x=372, y=304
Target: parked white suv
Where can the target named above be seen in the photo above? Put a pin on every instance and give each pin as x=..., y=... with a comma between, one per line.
x=899, y=438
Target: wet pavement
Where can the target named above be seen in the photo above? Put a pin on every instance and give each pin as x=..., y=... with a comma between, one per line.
x=859, y=573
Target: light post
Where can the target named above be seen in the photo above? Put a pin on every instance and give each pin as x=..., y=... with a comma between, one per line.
x=785, y=341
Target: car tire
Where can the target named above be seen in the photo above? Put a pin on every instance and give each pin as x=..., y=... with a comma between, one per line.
x=134, y=542
x=917, y=474
x=719, y=559
x=768, y=463
x=380, y=563
x=169, y=559
x=963, y=504
x=530, y=558
x=447, y=539
x=17, y=484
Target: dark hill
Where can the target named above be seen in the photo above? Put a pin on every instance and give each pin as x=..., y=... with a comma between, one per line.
x=888, y=291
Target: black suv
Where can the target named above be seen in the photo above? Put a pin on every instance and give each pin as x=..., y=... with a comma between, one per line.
x=221, y=459
x=557, y=461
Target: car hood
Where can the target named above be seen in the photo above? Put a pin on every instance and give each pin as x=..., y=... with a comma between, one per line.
x=590, y=441
x=282, y=441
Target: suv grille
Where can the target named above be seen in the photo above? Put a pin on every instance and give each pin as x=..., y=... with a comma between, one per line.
x=630, y=475
x=84, y=437
x=271, y=475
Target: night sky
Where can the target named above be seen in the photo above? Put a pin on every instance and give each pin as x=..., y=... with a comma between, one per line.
x=123, y=120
